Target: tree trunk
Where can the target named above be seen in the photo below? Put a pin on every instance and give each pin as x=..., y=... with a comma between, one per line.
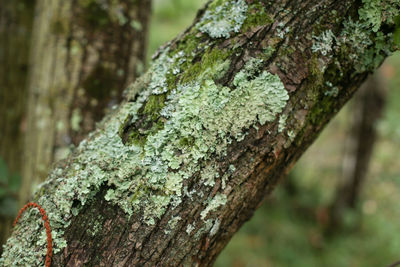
x=15, y=31
x=367, y=108
x=84, y=53
x=225, y=110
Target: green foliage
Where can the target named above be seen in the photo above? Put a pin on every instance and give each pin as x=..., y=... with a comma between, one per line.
x=256, y=16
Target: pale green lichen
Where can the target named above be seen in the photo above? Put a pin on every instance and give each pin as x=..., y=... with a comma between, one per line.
x=249, y=70
x=215, y=227
x=291, y=134
x=281, y=30
x=323, y=43
x=217, y=201
x=172, y=224
x=376, y=12
x=206, y=228
x=362, y=41
x=231, y=168
x=189, y=229
x=365, y=48
x=333, y=91
x=282, y=123
x=224, y=19
x=31, y=233
x=94, y=228
x=200, y=119
x=209, y=174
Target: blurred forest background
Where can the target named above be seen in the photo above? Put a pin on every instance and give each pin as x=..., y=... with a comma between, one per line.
x=295, y=226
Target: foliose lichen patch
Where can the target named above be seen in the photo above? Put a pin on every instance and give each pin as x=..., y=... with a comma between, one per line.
x=224, y=19
x=201, y=120
x=30, y=222
x=323, y=43
x=198, y=120
x=363, y=41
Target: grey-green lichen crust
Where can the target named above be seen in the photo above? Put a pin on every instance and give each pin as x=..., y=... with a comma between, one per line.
x=362, y=41
x=147, y=179
x=29, y=249
x=224, y=19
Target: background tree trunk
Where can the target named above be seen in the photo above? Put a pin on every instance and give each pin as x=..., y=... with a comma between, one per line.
x=225, y=111
x=16, y=19
x=84, y=53
x=367, y=108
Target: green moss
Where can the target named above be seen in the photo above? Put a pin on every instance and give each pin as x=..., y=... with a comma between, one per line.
x=256, y=16
x=314, y=67
x=321, y=107
x=286, y=51
x=186, y=142
x=154, y=105
x=139, y=136
x=190, y=43
x=213, y=65
x=216, y=3
x=268, y=52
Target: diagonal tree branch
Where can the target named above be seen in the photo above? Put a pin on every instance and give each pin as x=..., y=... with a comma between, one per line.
x=225, y=110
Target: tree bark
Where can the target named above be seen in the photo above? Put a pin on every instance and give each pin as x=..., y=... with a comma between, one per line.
x=84, y=53
x=15, y=31
x=225, y=110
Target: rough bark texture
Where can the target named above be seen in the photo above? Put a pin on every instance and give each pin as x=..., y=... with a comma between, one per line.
x=15, y=31
x=172, y=174
x=84, y=53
